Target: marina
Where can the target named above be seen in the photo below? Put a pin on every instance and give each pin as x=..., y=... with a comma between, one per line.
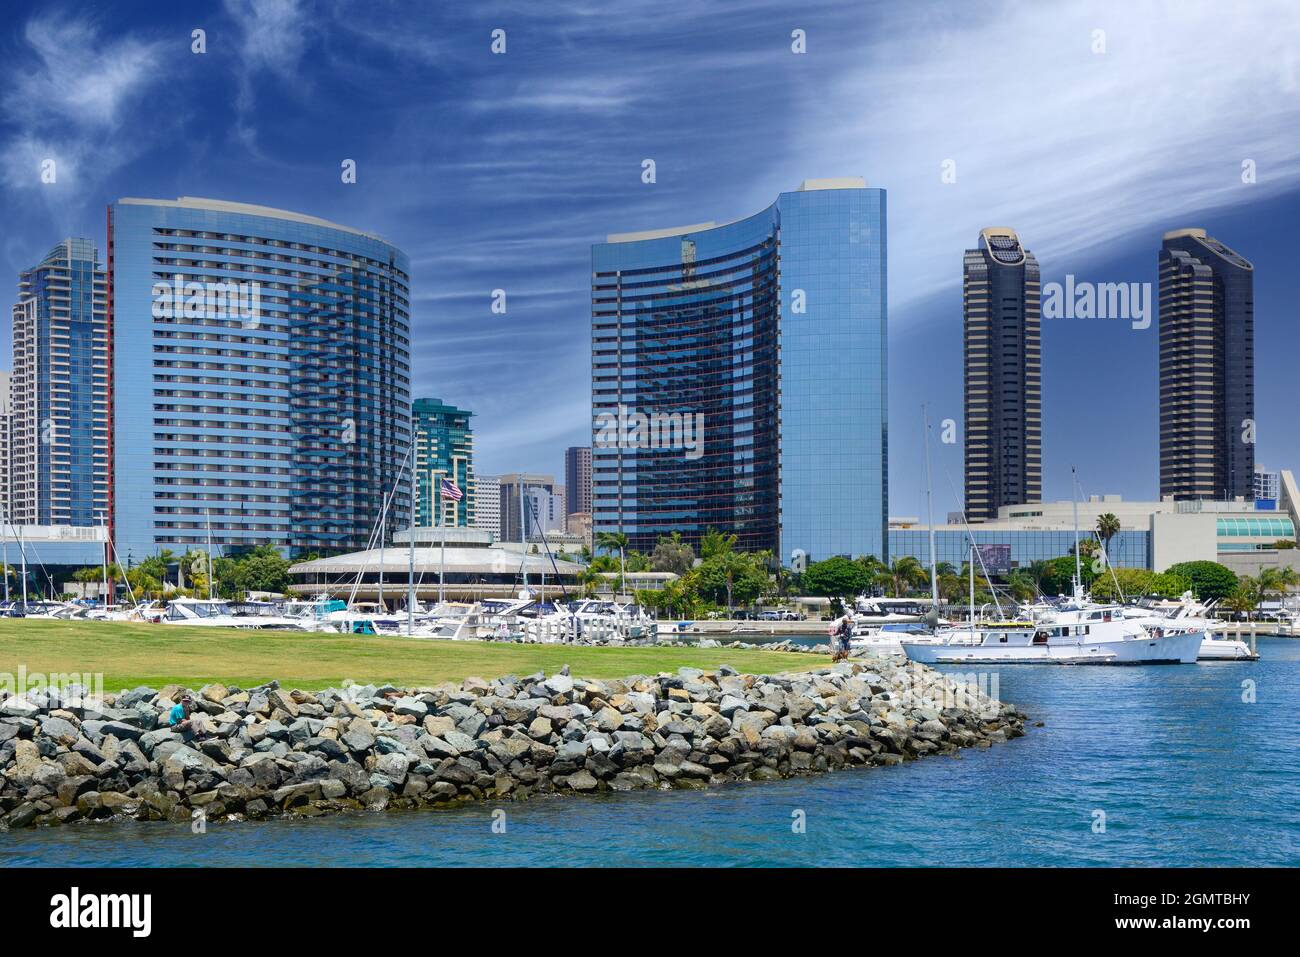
x=1184, y=770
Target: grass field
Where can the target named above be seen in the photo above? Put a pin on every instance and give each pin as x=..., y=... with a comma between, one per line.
x=130, y=654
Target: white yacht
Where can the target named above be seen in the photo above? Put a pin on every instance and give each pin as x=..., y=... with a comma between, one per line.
x=1116, y=641
x=887, y=638
x=1187, y=612
x=215, y=613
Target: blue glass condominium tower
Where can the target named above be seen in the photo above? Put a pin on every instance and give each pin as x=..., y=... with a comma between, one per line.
x=738, y=378
x=444, y=448
x=59, y=444
x=261, y=366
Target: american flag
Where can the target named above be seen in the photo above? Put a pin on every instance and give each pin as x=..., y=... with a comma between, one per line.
x=450, y=491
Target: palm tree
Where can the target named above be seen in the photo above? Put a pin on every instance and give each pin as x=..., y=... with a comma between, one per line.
x=1245, y=597
x=1276, y=581
x=1038, y=570
x=611, y=541
x=906, y=574
x=1107, y=528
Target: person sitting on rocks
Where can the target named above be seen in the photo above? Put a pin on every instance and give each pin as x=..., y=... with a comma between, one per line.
x=182, y=719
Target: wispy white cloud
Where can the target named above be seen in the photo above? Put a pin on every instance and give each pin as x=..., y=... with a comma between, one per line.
x=273, y=36
x=78, y=75
x=1075, y=149
x=69, y=94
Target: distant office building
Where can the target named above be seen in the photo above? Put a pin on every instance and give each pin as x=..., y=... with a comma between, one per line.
x=1268, y=485
x=577, y=479
x=538, y=499
x=60, y=392
x=738, y=378
x=487, y=505
x=560, y=508
x=1003, y=385
x=444, y=447
x=261, y=363
x=579, y=525
x=1207, y=369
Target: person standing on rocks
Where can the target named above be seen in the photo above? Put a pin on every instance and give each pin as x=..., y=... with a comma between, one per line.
x=841, y=633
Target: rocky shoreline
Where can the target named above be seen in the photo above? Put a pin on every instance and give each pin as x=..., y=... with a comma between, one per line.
x=265, y=751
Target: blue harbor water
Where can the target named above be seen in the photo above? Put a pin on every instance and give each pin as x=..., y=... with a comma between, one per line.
x=1184, y=770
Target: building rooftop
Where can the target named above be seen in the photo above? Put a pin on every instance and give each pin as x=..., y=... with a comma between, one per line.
x=808, y=185
x=245, y=209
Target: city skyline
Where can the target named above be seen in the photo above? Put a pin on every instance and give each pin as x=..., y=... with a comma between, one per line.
x=523, y=222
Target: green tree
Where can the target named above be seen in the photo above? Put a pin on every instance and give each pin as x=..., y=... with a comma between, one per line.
x=715, y=543
x=835, y=577
x=1058, y=575
x=1209, y=580
x=1021, y=584
x=1107, y=528
x=611, y=542
x=906, y=574
x=671, y=554
x=1244, y=597
x=732, y=577
x=1135, y=583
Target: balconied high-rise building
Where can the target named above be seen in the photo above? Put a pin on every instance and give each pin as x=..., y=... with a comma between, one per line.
x=1003, y=383
x=577, y=479
x=261, y=361
x=487, y=505
x=1207, y=369
x=738, y=378
x=444, y=446
x=4, y=451
x=60, y=391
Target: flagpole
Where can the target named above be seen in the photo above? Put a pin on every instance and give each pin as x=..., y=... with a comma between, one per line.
x=410, y=563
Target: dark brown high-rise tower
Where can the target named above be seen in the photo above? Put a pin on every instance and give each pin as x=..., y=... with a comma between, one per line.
x=1001, y=300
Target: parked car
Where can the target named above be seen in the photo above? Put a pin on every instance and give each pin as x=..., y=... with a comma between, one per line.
x=769, y=616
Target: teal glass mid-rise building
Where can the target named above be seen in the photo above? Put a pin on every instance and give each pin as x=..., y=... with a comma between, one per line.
x=739, y=378
x=261, y=379
x=444, y=451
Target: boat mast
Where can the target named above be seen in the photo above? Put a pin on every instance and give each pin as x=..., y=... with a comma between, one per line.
x=104, y=595
x=207, y=517
x=970, y=564
x=410, y=556
x=929, y=511
x=1074, y=497
x=442, y=551
x=383, y=520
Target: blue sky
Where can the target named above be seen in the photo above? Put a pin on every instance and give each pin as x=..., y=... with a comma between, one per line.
x=499, y=171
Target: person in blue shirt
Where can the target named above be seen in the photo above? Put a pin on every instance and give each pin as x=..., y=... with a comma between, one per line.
x=179, y=717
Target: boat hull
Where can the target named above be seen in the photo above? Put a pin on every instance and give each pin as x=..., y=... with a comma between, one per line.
x=1223, y=649
x=1166, y=650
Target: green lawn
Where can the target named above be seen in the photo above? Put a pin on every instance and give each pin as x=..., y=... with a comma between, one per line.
x=129, y=654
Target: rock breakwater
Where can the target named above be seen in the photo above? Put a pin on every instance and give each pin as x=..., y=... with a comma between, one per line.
x=269, y=750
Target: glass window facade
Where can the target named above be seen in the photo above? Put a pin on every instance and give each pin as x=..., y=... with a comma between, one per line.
x=1269, y=527
x=265, y=393
x=444, y=449
x=59, y=443
x=1128, y=549
x=1207, y=369
x=770, y=334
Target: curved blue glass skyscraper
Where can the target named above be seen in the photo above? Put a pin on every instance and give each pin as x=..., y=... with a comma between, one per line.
x=261, y=369
x=738, y=378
